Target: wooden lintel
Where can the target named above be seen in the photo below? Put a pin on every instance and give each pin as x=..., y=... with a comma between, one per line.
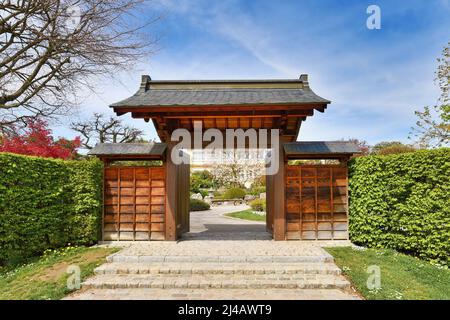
x=221, y=115
x=301, y=115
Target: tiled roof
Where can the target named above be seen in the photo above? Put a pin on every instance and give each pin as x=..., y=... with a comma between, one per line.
x=221, y=92
x=204, y=97
x=117, y=149
x=320, y=147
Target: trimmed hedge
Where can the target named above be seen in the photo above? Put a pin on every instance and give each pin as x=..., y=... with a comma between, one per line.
x=198, y=205
x=402, y=202
x=47, y=203
x=234, y=193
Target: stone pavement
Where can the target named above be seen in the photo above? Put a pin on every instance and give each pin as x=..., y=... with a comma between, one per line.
x=219, y=259
x=214, y=294
x=194, y=250
x=213, y=225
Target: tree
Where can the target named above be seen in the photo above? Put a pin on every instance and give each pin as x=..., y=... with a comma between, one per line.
x=433, y=126
x=443, y=76
x=51, y=49
x=36, y=140
x=363, y=146
x=391, y=147
x=101, y=129
x=236, y=171
x=201, y=180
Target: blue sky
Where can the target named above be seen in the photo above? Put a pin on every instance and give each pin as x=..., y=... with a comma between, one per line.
x=374, y=78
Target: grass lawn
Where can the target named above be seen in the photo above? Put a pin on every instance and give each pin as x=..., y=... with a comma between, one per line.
x=46, y=278
x=247, y=215
x=402, y=276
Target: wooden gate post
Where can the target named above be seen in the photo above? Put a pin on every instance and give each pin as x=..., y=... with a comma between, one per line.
x=171, y=195
x=279, y=196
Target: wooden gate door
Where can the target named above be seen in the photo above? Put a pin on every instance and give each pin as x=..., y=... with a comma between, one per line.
x=316, y=202
x=134, y=203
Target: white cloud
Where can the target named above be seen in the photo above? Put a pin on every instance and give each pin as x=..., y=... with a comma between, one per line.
x=374, y=88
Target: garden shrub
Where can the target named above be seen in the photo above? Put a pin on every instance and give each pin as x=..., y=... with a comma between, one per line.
x=47, y=203
x=218, y=195
x=201, y=180
x=234, y=193
x=256, y=191
x=198, y=205
x=258, y=205
x=204, y=193
x=402, y=202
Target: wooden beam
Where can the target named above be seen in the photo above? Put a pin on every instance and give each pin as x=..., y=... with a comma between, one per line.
x=279, y=196
x=171, y=195
x=221, y=114
x=290, y=133
x=172, y=124
x=269, y=204
x=321, y=108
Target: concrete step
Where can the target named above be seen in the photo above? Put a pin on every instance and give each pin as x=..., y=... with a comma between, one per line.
x=218, y=281
x=212, y=294
x=219, y=259
x=217, y=268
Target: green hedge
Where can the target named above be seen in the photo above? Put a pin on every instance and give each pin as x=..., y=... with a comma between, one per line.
x=198, y=205
x=402, y=202
x=47, y=203
x=234, y=193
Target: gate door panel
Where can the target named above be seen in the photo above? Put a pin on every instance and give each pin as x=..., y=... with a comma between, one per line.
x=134, y=203
x=316, y=202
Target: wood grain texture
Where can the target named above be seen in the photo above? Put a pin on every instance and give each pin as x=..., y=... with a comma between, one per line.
x=316, y=202
x=134, y=203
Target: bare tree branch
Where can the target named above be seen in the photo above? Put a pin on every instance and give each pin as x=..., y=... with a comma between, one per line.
x=100, y=129
x=51, y=49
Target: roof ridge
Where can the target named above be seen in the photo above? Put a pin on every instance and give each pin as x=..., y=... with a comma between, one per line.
x=226, y=89
x=227, y=81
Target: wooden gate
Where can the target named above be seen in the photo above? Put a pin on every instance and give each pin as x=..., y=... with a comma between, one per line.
x=316, y=202
x=134, y=203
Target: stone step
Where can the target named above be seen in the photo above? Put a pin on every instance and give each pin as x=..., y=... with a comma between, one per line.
x=217, y=268
x=219, y=259
x=224, y=281
x=212, y=294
